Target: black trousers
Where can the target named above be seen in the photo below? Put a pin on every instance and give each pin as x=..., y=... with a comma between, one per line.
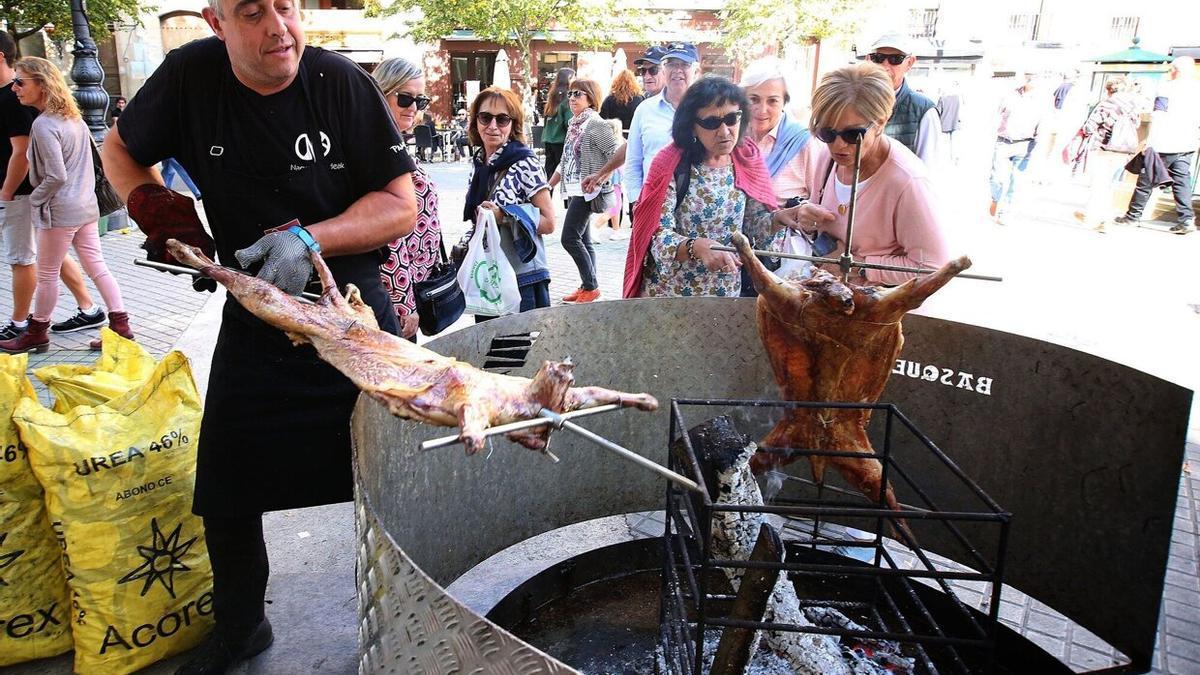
x=1179, y=166
x=238, y=554
x=553, y=157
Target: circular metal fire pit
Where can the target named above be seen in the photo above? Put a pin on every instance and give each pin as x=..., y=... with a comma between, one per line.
x=1021, y=416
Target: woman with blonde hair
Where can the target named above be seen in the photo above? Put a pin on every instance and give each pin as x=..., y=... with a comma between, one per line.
x=412, y=257
x=896, y=221
x=63, y=201
x=623, y=98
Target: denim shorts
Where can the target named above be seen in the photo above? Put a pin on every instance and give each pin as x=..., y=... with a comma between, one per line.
x=17, y=245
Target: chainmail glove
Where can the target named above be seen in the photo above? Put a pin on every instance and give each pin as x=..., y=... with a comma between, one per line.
x=286, y=260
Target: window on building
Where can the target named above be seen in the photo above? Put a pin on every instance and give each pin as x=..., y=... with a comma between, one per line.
x=1023, y=26
x=1124, y=27
x=922, y=23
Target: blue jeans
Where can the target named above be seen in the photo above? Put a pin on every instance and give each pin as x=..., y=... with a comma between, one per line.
x=577, y=241
x=1009, y=160
x=1179, y=167
x=533, y=296
x=170, y=167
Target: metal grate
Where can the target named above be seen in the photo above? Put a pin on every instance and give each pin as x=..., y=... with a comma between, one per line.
x=893, y=600
x=508, y=352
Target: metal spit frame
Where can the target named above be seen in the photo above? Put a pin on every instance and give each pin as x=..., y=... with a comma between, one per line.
x=687, y=546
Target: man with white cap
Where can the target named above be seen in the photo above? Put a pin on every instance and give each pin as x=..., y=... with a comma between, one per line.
x=915, y=121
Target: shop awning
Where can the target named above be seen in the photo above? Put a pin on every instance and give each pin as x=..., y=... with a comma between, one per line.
x=1135, y=54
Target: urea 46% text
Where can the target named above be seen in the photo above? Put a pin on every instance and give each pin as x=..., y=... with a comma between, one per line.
x=173, y=440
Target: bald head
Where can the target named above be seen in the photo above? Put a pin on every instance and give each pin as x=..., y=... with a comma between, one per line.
x=1183, y=67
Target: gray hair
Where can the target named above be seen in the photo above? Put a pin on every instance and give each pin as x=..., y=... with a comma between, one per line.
x=764, y=70
x=394, y=73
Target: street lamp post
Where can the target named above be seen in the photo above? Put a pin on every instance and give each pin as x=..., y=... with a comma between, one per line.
x=87, y=73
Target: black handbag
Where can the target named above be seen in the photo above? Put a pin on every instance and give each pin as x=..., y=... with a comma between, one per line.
x=106, y=196
x=439, y=298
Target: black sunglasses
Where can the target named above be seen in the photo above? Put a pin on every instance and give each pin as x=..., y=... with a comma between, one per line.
x=486, y=118
x=713, y=123
x=18, y=81
x=575, y=93
x=894, y=59
x=405, y=100
x=648, y=70
x=851, y=135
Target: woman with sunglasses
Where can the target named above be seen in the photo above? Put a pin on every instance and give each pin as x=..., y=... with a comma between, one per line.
x=589, y=144
x=896, y=221
x=63, y=202
x=506, y=173
x=707, y=184
x=412, y=257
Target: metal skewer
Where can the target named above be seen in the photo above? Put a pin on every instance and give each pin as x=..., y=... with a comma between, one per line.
x=447, y=441
x=562, y=421
x=179, y=269
x=873, y=266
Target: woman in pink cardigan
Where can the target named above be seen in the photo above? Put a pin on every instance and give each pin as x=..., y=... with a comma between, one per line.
x=895, y=220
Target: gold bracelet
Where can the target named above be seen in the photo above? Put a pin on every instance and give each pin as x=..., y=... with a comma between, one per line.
x=691, y=251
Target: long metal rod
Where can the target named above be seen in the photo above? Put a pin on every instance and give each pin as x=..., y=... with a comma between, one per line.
x=447, y=441
x=866, y=265
x=561, y=422
x=179, y=269
x=846, y=261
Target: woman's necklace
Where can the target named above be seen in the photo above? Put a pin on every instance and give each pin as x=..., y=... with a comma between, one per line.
x=867, y=168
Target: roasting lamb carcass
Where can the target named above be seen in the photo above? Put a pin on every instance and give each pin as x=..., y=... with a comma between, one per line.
x=832, y=341
x=413, y=382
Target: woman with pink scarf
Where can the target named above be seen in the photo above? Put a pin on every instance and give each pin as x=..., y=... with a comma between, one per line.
x=707, y=184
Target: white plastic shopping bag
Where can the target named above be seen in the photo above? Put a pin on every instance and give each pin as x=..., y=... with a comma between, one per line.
x=487, y=278
x=797, y=243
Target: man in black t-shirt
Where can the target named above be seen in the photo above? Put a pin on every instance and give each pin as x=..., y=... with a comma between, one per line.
x=17, y=247
x=273, y=133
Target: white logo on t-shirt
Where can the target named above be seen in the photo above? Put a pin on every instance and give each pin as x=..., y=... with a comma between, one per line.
x=304, y=148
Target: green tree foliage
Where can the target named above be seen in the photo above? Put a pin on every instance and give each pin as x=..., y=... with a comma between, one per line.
x=749, y=25
x=26, y=17
x=593, y=24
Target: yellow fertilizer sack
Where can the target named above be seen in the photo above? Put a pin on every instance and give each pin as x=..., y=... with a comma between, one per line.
x=123, y=365
x=118, y=479
x=34, y=601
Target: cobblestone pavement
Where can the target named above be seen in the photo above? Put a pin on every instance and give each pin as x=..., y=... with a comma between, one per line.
x=1130, y=295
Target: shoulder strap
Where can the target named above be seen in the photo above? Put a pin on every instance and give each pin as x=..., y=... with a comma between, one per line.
x=824, y=181
x=683, y=180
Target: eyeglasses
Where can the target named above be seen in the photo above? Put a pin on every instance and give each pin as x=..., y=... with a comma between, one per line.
x=19, y=82
x=501, y=120
x=648, y=70
x=894, y=59
x=850, y=135
x=675, y=64
x=405, y=100
x=713, y=123
x=576, y=93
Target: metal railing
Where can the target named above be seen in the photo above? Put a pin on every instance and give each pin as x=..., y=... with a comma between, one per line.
x=882, y=593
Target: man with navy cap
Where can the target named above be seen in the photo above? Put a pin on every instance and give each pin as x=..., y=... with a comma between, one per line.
x=915, y=121
x=649, y=67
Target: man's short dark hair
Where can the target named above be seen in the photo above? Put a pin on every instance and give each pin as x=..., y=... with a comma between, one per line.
x=8, y=48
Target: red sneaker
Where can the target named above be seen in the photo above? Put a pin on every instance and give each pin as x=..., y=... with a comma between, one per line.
x=570, y=297
x=587, y=296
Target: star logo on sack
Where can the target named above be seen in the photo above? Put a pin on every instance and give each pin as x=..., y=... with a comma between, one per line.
x=163, y=559
x=7, y=559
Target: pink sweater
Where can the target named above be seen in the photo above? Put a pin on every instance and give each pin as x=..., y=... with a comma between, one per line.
x=895, y=219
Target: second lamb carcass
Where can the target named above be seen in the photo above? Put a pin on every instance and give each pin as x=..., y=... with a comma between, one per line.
x=832, y=341
x=413, y=382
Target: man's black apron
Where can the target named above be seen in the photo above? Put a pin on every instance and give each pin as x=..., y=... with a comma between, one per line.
x=276, y=428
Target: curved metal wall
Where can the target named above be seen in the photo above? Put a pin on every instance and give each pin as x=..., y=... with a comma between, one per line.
x=1084, y=452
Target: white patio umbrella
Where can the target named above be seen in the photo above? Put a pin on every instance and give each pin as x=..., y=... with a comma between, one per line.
x=500, y=74
x=619, y=61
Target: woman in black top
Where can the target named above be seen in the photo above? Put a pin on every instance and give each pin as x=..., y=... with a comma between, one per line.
x=623, y=98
